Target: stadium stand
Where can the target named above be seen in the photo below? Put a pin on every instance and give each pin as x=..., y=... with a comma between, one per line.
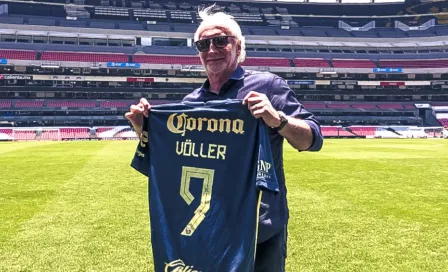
x=362, y=76
x=5, y=104
x=28, y=104
x=163, y=59
x=84, y=57
x=363, y=131
x=435, y=63
x=71, y=104
x=341, y=63
x=270, y=62
x=311, y=63
x=444, y=122
x=18, y=54
x=335, y=131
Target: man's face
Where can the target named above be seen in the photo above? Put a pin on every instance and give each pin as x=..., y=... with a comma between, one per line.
x=219, y=60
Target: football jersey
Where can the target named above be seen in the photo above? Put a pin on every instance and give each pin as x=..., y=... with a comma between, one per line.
x=207, y=164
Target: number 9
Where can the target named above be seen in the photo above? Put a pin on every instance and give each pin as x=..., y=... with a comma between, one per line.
x=207, y=175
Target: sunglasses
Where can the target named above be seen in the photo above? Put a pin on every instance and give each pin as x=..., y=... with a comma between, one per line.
x=218, y=42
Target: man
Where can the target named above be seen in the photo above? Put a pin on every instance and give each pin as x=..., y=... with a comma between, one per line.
x=221, y=49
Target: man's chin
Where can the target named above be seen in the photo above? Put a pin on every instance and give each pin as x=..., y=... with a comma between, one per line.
x=215, y=70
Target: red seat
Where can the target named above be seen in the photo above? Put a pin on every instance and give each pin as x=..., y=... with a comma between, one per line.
x=390, y=106
x=29, y=104
x=436, y=63
x=318, y=63
x=271, y=62
x=163, y=59
x=83, y=57
x=335, y=131
x=444, y=122
x=351, y=63
x=18, y=54
x=363, y=131
x=5, y=104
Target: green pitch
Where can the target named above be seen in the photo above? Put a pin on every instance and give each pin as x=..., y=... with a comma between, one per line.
x=358, y=205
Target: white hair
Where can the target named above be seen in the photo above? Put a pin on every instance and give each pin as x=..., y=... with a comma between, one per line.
x=220, y=19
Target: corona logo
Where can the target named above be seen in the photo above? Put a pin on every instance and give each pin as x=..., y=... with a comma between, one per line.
x=179, y=266
x=180, y=123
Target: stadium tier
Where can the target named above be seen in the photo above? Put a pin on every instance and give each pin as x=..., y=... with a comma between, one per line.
x=28, y=104
x=437, y=63
x=71, y=104
x=311, y=63
x=66, y=133
x=85, y=57
x=194, y=60
x=162, y=59
x=350, y=72
x=343, y=63
x=114, y=104
x=444, y=122
x=335, y=131
x=363, y=131
x=190, y=60
x=46, y=103
x=270, y=62
x=124, y=132
x=18, y=54
x=5, y=104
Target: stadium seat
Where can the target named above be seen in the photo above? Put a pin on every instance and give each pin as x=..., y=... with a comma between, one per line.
x=390, y=106
x=316, y=105
x=335, y=131
x=338, y=106
x=29, y=104
x=18, y=54
x=71, y=133
x=363, y=106
x=165, y=59
x=278, y=62
x=71, y=104
x=444, y=122
x=194, y=60
x=83, y=57
x=114, y=104
x=24, y=135
x=352, y=63
x=363, y=130
x=7, y=131
x=5, y=104
x=409, y=106
x=436, y=63
x=318, y=63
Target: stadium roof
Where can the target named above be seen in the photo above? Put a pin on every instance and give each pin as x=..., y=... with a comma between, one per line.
x=331, y=1
x=342, y=1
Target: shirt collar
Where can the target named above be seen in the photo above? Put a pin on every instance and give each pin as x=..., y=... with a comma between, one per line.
x=238, y=74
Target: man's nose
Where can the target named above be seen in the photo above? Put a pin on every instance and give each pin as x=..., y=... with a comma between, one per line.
x=211, y=48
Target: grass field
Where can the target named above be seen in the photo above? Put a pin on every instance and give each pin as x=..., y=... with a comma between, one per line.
x=358, y=205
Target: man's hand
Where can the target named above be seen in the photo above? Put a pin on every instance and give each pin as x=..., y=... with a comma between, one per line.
x=260, y=106
x=136, y=113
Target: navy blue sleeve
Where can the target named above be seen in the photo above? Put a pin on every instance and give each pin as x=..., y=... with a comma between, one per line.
x=266, y=175
x=140, y=162
x=283, y=99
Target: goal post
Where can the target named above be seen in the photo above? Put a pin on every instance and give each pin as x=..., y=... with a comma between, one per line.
x=36, y=134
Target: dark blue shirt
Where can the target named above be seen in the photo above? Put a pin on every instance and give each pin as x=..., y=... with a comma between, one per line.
x=208, y=164
x=274, y=212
